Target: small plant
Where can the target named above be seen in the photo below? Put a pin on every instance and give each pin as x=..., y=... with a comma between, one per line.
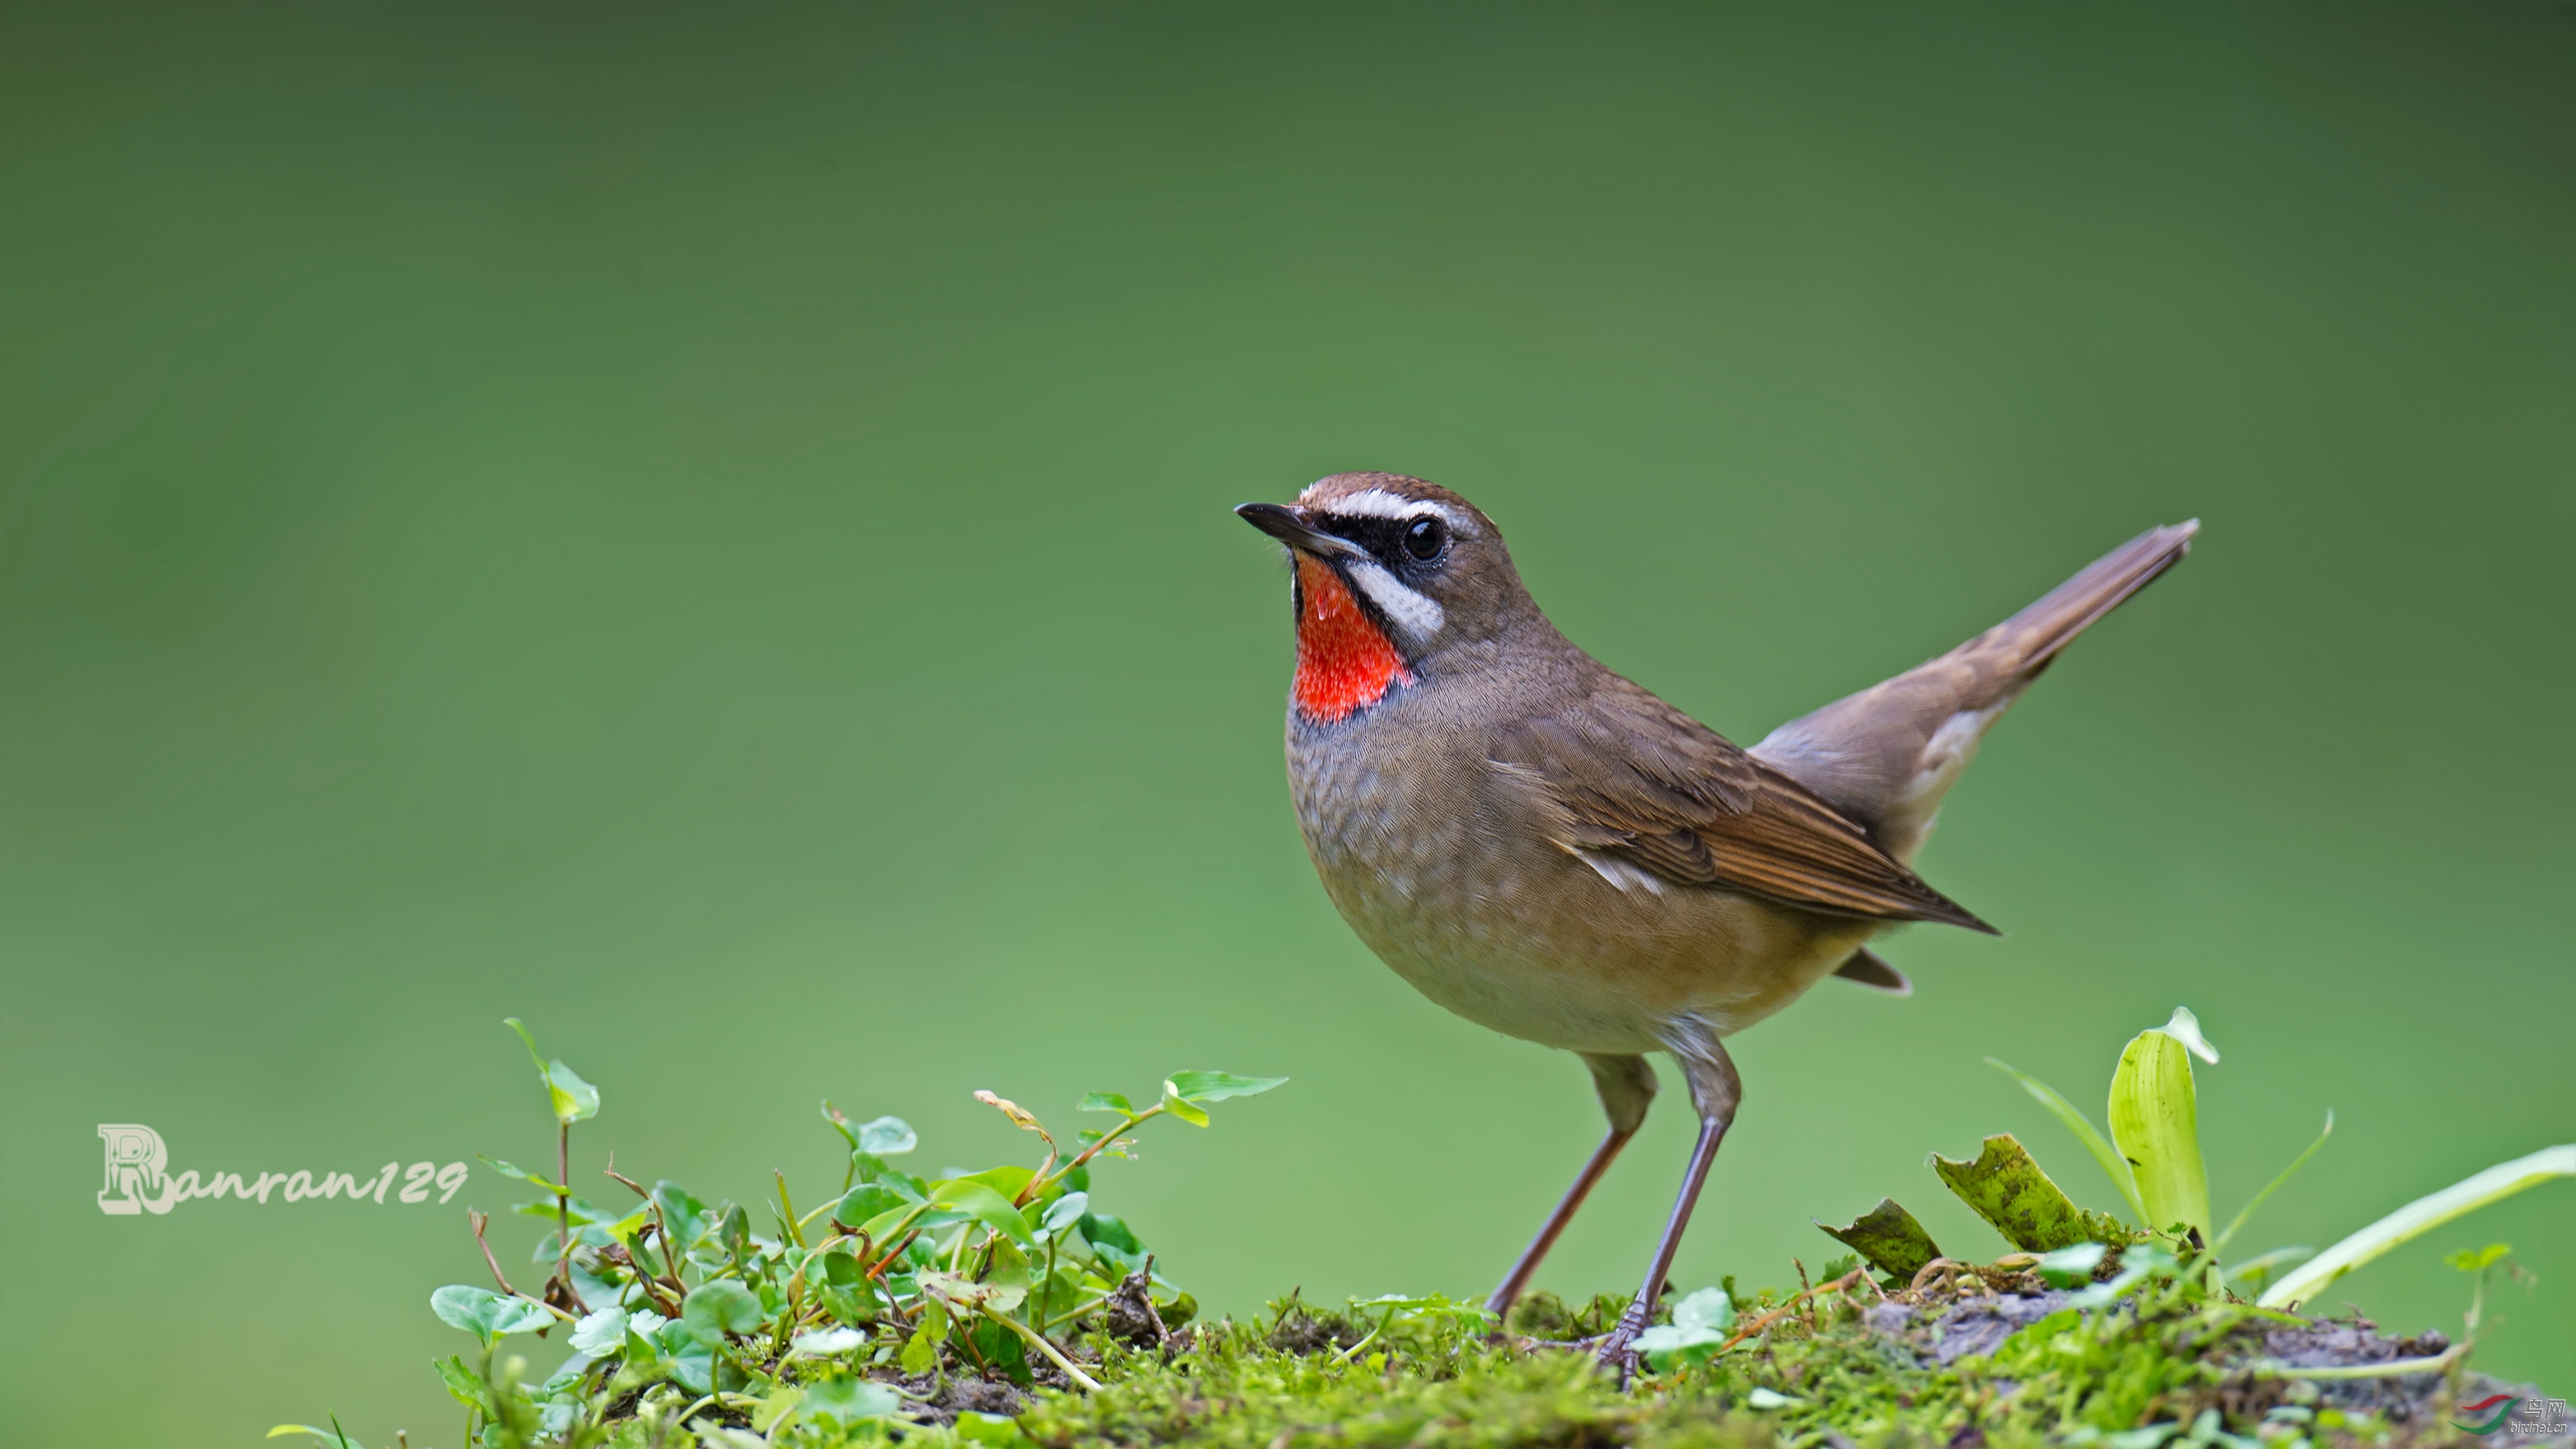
x=1000, y=1307
x=2155, y=1120
x=836, y=1323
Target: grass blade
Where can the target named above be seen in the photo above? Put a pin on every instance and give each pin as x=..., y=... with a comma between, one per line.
x=2248, y=1210
x=2420, y=1216
x=2082, y=1126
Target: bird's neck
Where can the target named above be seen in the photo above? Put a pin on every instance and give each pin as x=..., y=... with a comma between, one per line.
x=1345, y=663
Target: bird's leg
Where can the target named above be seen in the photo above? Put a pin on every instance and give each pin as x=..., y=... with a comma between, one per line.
x=1626, y=1085
x=1715, y=1091
x=1504, y=1297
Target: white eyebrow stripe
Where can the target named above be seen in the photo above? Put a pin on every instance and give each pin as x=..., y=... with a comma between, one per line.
x=1378, y=503
x=1417, y=614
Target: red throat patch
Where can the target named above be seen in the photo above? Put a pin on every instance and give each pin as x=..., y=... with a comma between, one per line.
x=1344, y=662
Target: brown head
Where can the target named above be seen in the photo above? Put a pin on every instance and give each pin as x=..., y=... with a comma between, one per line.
x=1391, y=573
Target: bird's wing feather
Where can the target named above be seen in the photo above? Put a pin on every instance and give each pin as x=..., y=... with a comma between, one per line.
x=1634, y=779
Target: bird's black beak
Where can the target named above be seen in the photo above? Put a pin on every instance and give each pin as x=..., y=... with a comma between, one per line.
x=1289, y=526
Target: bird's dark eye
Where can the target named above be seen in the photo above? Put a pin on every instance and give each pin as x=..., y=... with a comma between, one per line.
x=1425, y=538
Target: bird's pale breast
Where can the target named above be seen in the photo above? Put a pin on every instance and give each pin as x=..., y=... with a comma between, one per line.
x=1439, y=864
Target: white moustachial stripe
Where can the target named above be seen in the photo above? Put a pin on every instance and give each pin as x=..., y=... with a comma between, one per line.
x=1417, y=614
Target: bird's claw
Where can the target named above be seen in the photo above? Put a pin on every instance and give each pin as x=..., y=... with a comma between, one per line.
x=1616, y=1349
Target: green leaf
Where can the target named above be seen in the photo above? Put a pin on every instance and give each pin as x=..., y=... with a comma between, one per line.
x=1063, y=1213
x=2113, y=1165
x=2228, y=1234
x=2137, y=1264
x=462, y=1385
x=692, y=1366
x=1102, y=1230
x=715, y=1309
x=600, y=1334
x=987, y=1206
x=686, y=1218
x=1010, y=1267
x=1700, y=1326
x=1181, y=1107
x=846, y=1403
x=845, y=1289
x=331, y=1437
x=2155, y=1119
x=775, y=1405
x=2070, y=1267
x=826, y=1342
x=508, y=1169
x=1009, y=1181
x=2008, y=1190
x=574, y=1099
x=1204, y=1087
x=888, y=1137
x=486, y=1314
x=868, y=1200
x=840, y=1124
x=1709, y=1308
x=2418, y=1217
x=999, y=1430
x=2478, y=1260
x=921, y=1351
x=1889, y=1237
x=1106, y=1102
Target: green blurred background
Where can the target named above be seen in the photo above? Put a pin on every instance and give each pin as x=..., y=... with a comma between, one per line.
x=706, y=529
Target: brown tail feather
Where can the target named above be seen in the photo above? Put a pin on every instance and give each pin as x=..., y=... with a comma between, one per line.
x=2033, y=636
x=1885, y=756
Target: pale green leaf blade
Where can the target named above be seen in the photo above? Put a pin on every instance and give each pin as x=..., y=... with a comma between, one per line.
x=521, y=1027
x=888, y=1137
x=2155, y=1119
x=987, y=1206
x=1182, y=1107
x=1199, y=1088
x=2113, y=1166
x=512, y=1169
x=574, y=1099
x=2418, y=1217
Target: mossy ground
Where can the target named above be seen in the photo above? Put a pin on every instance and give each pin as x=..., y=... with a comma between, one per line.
x=1854, y=1367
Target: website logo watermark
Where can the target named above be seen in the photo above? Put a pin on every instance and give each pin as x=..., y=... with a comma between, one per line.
x=139, y=1180
x=2539, y=1418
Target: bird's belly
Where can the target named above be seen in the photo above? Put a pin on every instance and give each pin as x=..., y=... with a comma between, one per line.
x=1519, y=936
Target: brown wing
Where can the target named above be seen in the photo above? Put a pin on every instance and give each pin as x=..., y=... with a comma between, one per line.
x=1641, y=782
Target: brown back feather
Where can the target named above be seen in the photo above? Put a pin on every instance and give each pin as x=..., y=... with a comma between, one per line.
x=1639, y=781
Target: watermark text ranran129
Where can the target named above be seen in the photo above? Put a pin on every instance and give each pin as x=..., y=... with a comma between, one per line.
x=139, y=1179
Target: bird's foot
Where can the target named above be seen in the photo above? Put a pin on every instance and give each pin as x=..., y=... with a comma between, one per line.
x=1616, y=1349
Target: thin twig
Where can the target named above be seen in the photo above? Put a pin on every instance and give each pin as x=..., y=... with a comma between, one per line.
x=477, y=1220
x=632, y=1185
x=891, y=1254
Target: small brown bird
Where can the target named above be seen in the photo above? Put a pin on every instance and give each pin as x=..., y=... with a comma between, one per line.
x=1545, y=848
